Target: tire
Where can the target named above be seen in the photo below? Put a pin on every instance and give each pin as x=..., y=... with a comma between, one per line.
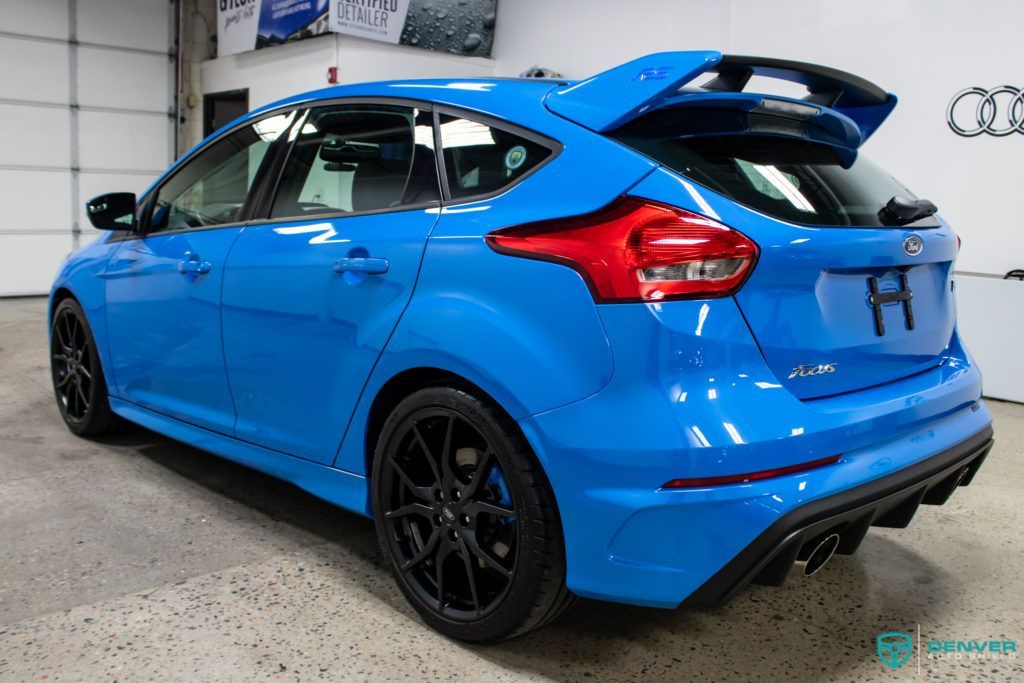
x=78, y=383
x=484, y=510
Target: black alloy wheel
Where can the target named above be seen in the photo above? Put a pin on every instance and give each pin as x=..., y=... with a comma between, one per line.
x=460, y=504
x=78, y=383
x=72, y=366
x=448, y=517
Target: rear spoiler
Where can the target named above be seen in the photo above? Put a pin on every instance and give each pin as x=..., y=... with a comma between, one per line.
x=615, y=97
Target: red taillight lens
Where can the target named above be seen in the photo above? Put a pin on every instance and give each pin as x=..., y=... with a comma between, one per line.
x=637, y=250
x=704, y=482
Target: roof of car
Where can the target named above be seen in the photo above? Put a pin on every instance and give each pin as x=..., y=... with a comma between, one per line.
x=612, y=98
x=509, y=98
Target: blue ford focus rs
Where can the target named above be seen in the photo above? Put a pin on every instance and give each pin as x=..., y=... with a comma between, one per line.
x=647, y=337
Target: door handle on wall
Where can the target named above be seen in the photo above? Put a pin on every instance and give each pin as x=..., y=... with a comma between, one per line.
x=193, y=263
x=361, y=264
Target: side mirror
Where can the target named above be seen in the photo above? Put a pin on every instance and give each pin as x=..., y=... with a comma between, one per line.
x=112, y=211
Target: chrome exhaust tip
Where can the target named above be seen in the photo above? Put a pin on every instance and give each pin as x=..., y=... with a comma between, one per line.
x=821, y=554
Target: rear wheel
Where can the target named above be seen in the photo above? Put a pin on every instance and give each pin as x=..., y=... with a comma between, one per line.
x=78, y=383
x=466, y=518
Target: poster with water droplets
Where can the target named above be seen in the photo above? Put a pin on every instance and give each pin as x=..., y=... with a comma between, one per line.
x=463, y=27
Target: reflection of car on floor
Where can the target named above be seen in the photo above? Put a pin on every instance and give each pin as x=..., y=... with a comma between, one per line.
x=645, y=337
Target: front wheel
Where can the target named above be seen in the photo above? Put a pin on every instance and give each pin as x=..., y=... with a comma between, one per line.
x=78, y=383
x=466, y=518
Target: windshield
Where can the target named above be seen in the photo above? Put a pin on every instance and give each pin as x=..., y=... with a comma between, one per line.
x=789, y=178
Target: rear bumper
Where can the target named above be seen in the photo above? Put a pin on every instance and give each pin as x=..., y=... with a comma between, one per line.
x=887, y=502
x=691, y=397
x=663, y=547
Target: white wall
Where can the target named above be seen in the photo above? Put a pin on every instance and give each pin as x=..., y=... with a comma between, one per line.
x=990, y=320
x=277, y=72
x=578, y=38
x=272, y=73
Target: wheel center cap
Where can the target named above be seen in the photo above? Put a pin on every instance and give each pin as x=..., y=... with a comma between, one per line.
x=448, y=514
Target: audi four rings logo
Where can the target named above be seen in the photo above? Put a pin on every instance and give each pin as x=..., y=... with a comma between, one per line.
x=998, y=111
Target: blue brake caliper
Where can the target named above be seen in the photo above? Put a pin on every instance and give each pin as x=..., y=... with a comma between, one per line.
x=496, y=483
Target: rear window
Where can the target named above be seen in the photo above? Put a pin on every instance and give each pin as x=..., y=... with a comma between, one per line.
x=789, y=178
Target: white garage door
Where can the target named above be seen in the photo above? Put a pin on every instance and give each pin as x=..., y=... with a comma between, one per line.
x=86, y=107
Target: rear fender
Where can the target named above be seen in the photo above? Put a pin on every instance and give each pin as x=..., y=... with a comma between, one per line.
x=526, y=332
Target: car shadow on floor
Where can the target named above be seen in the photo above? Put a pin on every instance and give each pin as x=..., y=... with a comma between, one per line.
x=279, y=500
x=807, y=630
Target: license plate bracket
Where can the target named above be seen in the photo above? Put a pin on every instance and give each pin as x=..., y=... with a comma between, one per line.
x=877, y=299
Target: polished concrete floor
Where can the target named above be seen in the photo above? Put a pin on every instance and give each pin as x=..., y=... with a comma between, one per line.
x=140, y=559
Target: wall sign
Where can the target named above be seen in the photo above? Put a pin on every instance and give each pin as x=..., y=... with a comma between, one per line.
x=995, y=111
x=374, y=19
x=464, y=27
x=237, y=21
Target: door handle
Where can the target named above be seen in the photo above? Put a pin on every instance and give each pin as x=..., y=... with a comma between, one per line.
x=361, y=264
x=193, y=263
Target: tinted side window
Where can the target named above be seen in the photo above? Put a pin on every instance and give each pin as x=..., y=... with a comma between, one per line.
x=480, y=159
x=211, y=188
x=358, y=157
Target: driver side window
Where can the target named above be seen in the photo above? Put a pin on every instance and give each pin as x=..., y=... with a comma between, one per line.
x=211, y=188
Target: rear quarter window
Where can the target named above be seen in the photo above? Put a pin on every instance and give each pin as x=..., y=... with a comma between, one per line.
x=789, y=178
x=481, y=159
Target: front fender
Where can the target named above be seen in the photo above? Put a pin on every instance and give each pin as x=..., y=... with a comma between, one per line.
x=82, y=275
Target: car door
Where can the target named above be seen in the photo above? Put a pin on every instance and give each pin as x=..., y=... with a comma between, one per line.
x=163, y=286
x=312, y=294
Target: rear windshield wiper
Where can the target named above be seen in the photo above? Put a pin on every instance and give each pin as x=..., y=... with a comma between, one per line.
x=900, y=210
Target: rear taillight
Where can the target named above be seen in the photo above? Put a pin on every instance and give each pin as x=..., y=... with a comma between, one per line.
x=637, y=250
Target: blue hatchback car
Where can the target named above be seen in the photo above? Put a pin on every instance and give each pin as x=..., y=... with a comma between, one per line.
x=646, y=337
